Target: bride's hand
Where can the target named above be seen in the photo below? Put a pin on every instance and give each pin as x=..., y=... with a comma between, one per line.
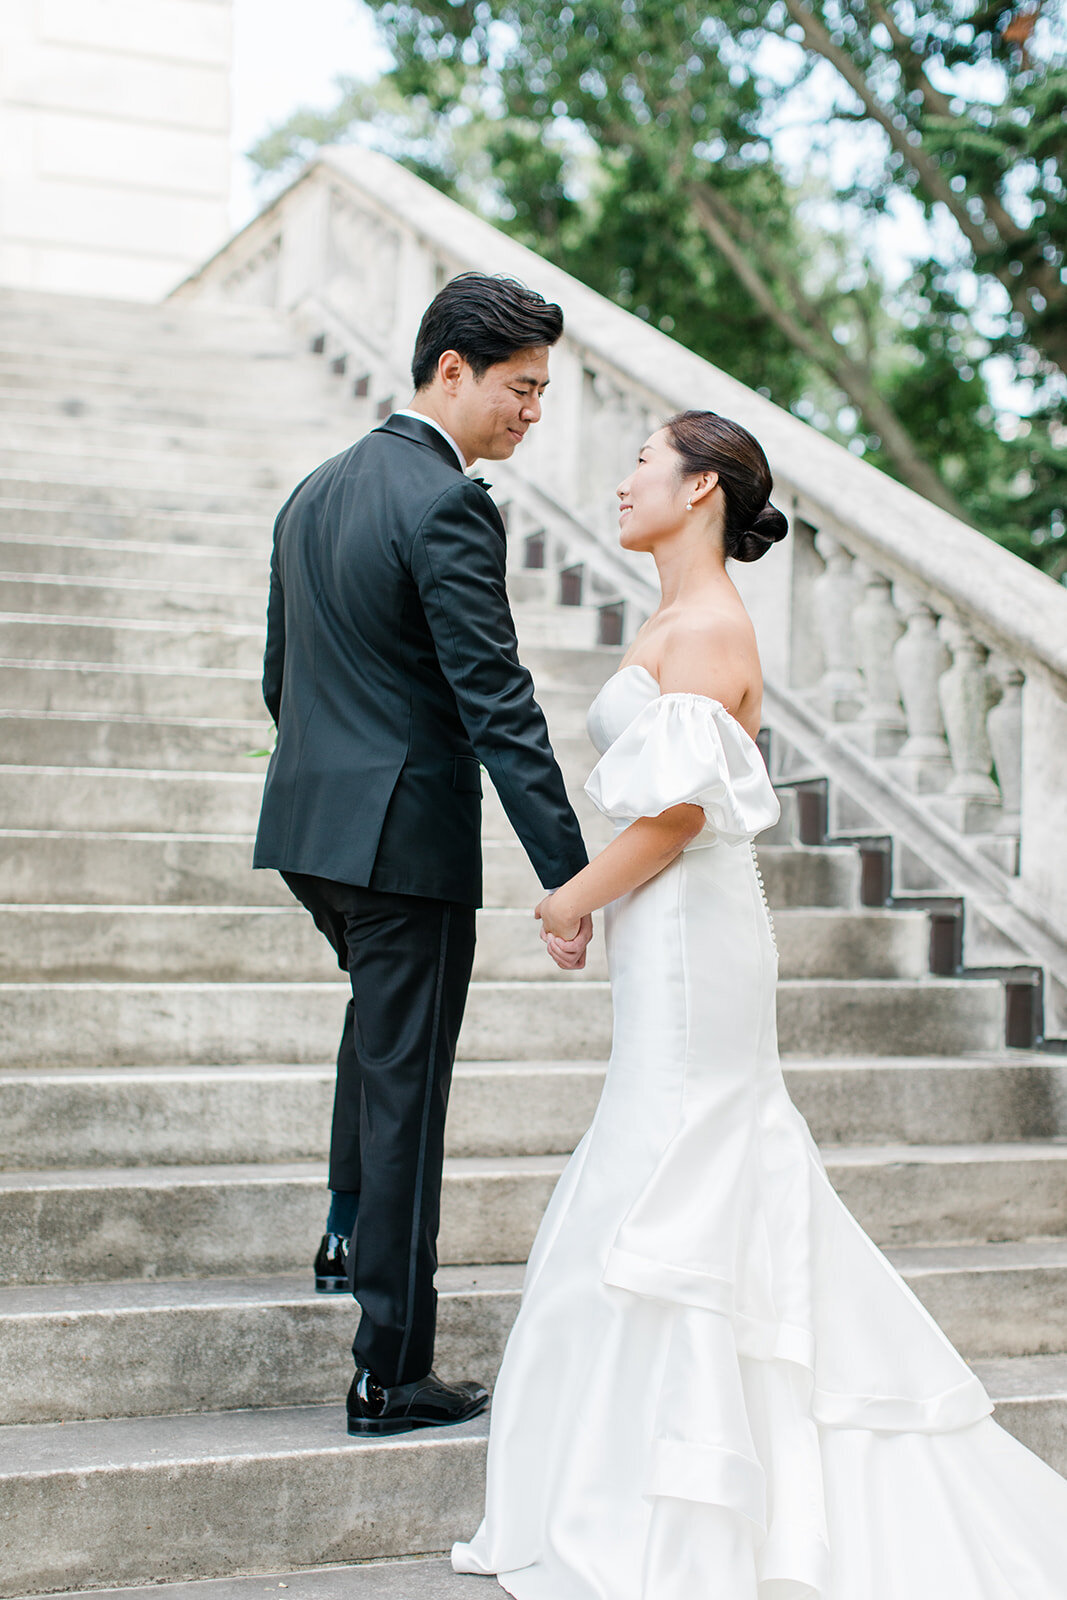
x=552, y=924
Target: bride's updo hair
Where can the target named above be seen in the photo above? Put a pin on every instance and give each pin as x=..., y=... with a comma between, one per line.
x=706, y=442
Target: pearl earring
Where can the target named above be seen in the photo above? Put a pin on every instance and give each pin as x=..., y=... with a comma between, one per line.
x=689, y=505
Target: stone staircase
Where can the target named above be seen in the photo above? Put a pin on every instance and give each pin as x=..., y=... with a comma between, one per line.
x=170, y=1386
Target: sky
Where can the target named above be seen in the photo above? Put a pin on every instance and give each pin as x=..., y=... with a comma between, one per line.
x=286, y=56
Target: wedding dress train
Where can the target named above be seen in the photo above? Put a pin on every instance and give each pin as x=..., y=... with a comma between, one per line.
x=717, y=1387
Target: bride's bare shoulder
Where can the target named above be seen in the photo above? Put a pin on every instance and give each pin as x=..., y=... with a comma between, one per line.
x=712, y=651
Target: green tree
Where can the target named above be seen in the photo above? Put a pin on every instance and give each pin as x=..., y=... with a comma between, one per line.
x=632, y=144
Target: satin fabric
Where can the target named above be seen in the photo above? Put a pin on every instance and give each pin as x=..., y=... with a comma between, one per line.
x=717, y=1386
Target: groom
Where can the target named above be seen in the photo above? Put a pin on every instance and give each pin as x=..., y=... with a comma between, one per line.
x=392, y=674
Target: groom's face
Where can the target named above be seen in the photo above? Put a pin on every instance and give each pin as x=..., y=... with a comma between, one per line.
x=492, y=414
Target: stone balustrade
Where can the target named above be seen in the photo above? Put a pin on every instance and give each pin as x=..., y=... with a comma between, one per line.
x=911, y=661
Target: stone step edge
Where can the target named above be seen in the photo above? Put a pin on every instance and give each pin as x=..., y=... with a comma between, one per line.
x=407, y=1578
x=19, y=503
x=131, y=1296
x=117, y=668
x=270, y=1071
x=858, y=986
x=145, y=547
x=262, y=1173
x=146, y=586
x=24, y=1447
x=797, y=1064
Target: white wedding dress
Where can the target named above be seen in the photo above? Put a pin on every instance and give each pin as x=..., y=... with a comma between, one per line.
x=717, y=1387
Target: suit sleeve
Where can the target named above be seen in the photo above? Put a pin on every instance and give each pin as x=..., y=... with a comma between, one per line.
x=458, y=564
x=274, y=653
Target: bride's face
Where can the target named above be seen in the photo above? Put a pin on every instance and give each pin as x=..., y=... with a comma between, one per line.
x=652, y=499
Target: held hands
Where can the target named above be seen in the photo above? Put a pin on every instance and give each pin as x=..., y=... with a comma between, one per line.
x=566, y=939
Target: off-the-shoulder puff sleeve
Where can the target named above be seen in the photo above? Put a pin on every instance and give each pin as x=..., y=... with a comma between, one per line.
x=684, y=748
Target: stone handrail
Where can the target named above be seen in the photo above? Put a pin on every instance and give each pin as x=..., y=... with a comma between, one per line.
x=917, y=664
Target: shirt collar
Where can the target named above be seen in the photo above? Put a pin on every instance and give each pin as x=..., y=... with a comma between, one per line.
x=420, y=416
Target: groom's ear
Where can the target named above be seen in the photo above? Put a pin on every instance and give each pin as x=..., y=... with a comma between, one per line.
x=450, y=369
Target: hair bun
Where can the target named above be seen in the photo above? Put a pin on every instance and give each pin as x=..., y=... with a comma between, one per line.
x=769, y=526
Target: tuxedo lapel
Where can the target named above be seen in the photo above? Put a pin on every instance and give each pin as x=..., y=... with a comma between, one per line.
x=421, y=433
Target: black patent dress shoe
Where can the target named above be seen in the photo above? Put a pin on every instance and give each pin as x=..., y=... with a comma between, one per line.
x=374, y=1410
x=331, y=1265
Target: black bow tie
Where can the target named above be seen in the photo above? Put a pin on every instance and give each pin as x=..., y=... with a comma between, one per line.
x=480, y=481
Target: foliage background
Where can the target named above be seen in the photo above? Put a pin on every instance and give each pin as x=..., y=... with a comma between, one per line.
x=856, y=207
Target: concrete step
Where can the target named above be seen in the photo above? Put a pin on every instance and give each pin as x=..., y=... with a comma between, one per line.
x=64, y=866
x=166, y=869
x=276, y=470
x=83, y=739
x=65, y=1118
x=149, y=1499
x=132, y=560
x=140, y=599
x=30, y=516
x=219, y=1344
x=231, y=944
x=132, y=800
x=226, y=378
x=226, y=1343
x=116, y=1024
x=183, y=647
x=93, y=1225
x=993, y=1300
x=82, y=432
x=36, y=317
x=190, y=500
x=253, y=944
x=204, y=1024
x=148, y=646
x=69, y=573
x=57, y=1116
x=66, y=686
x=552, y=626
x=86, y=1226
x=411, y=1578
x=138, y=1500
x=268, y=414
x=1030, y=1394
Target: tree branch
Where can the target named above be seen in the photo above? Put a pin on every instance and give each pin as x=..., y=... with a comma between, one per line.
x=938, y=105
x=715, y=217
x=986, y=248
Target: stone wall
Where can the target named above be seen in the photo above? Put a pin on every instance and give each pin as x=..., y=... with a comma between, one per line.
x=114, y=142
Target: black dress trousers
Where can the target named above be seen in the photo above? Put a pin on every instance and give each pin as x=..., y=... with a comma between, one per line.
x=409, y=960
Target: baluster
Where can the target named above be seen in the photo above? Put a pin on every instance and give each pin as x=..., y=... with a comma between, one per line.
x=919, y=659
x=840, y=689
x=972, y=800
x=1004, y=725
x=881, y=727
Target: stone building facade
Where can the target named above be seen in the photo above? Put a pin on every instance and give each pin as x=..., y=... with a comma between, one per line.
x=114, y=142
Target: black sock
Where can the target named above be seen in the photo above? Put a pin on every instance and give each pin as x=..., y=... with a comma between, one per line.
x=344, y=1204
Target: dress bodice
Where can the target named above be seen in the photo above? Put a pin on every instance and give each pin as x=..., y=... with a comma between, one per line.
x=626, y=693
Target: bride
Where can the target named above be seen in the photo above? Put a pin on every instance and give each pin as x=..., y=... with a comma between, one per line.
x=716, y=1385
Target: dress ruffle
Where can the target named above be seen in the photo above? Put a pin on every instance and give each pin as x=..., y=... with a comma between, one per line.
x=686, y=749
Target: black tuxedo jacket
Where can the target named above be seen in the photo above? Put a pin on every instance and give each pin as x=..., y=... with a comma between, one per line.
x=391, y=671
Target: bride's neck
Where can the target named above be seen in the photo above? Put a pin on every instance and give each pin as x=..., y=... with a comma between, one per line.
x=686, y=565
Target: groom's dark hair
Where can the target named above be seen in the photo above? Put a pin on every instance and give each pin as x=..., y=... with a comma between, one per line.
x=485, y=320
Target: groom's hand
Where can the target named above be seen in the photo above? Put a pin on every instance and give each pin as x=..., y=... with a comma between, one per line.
x=566, y=941
x=569, y=953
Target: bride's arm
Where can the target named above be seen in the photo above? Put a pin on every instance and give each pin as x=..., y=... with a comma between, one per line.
x=640, y=851
x=693, y=659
